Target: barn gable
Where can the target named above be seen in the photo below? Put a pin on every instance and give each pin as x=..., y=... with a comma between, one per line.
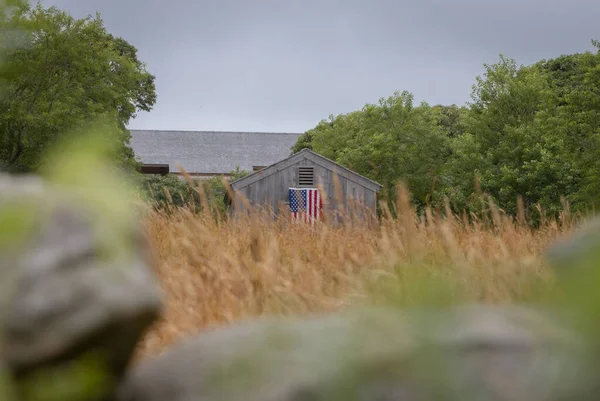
x=269, y=187
x=316, y=158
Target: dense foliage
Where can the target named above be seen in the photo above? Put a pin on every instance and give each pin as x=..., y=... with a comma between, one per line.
x=168, y=191
x=59, y=73
x=165, y=190
x=530, y=133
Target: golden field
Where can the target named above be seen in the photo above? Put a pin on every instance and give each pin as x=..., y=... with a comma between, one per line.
x=214, y=272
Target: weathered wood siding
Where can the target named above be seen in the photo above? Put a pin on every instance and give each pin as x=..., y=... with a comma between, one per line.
x=271, y=192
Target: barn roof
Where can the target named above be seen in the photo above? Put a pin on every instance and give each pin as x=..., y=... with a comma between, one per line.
x=211, y=152
x=314, y=157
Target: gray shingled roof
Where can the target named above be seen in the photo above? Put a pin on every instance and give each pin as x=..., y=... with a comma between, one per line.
x=211, y=152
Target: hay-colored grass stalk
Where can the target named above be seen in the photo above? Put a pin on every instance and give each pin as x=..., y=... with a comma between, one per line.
x=217, y=271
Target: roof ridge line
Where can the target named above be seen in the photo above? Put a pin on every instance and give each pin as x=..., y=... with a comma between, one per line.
x=297, y=154
x=220, y=132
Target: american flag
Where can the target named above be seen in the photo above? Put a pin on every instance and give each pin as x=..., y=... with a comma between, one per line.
x=305, y=204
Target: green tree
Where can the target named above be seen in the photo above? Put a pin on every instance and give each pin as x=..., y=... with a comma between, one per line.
x=505, y=144
x=451, y=119
x=575, y=114
x=389, y=142
x=63, y=72
x=531, y=132
x=304, y=142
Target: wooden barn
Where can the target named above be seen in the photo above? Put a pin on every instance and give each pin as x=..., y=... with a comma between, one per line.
x=270, y=188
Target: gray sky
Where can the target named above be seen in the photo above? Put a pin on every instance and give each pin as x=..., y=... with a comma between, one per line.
x=284, y=65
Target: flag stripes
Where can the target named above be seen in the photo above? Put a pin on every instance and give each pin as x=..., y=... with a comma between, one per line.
x=305, y=204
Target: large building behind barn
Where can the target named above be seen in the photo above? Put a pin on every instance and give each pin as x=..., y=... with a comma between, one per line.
x=205, y=154
x=268, y=189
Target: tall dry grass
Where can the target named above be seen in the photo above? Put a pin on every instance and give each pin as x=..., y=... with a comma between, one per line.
x=214, y=272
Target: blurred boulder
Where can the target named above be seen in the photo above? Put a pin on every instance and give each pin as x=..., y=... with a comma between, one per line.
x=467, y=353
x=67, y=302
x=580, y=249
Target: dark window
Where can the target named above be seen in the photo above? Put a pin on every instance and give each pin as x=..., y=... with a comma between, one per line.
x=162, y=169
x=306, y=176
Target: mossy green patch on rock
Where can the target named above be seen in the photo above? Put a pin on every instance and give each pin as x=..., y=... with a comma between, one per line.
x=81, y=165
x=86, y=378
x=7, y=387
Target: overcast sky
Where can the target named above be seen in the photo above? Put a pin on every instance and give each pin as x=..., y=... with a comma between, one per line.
x=284, y=65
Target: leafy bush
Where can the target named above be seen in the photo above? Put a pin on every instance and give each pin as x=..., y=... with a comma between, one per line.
x=165, y=192
x=218, y=198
